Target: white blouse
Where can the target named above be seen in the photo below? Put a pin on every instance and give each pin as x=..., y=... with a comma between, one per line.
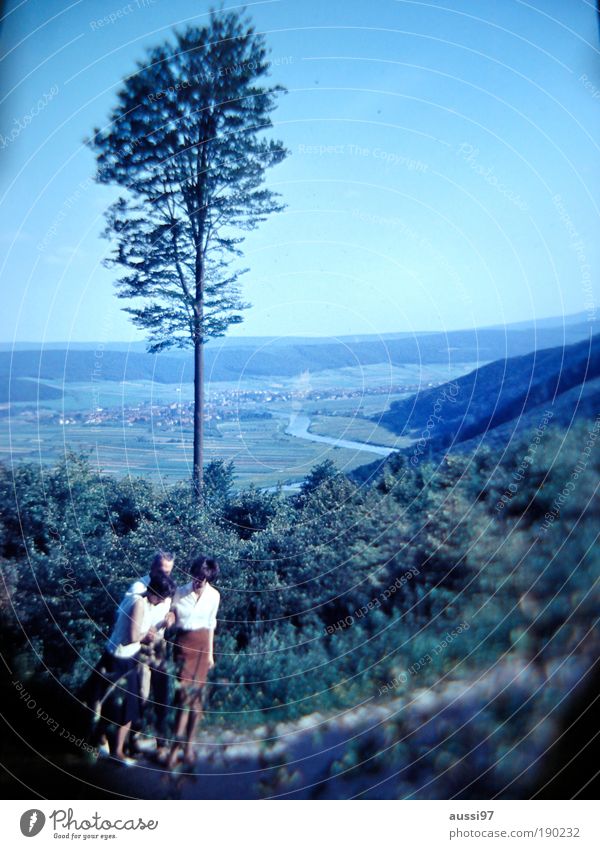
x=159, y=611
x=194, y=611
x=118, y=643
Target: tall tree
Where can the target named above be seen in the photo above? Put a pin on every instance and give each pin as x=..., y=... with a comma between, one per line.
x=186, y=142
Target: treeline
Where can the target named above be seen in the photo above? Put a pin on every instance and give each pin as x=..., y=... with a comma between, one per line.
x=338, y=595
x=289, y=359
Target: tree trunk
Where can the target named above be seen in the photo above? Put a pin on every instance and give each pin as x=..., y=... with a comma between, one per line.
x=198, y=418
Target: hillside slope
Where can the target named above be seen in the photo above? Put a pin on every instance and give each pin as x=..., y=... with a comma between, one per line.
x=27, y=389
x=503, y=397
x=284, y=358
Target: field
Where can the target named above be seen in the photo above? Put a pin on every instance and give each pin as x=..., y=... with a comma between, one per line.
x=337, y=402
x=355, y=429
x=262, y=452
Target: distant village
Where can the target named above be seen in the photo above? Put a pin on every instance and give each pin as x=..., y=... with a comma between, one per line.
x=221, y=406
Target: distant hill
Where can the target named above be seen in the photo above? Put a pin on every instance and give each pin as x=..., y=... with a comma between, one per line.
x=224, y=342
x=502, y=398
x=556, y=322
x=553, y=321
x=83, y=366
x=24, y=389
x=287, y=358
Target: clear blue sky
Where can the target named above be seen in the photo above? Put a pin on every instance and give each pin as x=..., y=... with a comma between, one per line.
x=444, y=171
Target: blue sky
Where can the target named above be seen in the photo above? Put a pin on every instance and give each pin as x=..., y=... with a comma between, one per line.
x=444, y=167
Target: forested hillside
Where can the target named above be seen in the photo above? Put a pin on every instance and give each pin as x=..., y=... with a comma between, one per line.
x=339, y=596
x=285, y=359
x=514, y=393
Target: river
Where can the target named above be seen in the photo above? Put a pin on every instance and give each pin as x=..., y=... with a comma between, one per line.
x=299, y=426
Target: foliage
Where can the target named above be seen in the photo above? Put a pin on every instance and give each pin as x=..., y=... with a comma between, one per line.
x=330, y=597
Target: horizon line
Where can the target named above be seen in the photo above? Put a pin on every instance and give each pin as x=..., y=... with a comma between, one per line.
x=231, y=339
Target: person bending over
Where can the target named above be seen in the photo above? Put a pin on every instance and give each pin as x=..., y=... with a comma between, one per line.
x=152, y=668
x=114, y=683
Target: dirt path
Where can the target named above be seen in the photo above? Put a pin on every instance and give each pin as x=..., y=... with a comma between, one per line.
x=433, y=744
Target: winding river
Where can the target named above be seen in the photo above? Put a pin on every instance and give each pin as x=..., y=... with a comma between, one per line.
x=299, y=424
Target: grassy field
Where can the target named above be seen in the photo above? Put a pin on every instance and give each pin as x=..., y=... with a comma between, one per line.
x=357, y=430
x=263, y=454
x=260, y=449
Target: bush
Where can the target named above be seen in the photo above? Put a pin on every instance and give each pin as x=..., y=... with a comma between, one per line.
x=326, y=595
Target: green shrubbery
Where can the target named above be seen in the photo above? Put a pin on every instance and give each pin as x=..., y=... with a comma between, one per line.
x=327, y=596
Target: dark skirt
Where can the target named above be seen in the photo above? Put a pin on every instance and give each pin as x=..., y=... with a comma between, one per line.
x=115, y=684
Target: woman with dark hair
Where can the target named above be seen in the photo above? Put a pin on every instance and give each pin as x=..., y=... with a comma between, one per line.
x=195, y=606
x=113, y=686
x=152, y=666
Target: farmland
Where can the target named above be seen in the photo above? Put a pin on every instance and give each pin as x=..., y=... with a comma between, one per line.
x=143, y=428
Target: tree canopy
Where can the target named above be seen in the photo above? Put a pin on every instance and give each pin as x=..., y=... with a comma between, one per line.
x=186, y=143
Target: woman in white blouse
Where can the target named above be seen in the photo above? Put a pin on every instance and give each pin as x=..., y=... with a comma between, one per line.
x=115, y=677
x=195, y=605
